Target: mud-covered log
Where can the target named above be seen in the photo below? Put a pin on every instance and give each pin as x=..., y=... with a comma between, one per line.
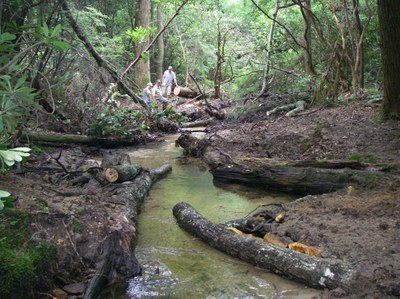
x=117, y=259
x=122, y=173
x=185, y=92
x=312, y=271
x=197, y=123
x=56, y=139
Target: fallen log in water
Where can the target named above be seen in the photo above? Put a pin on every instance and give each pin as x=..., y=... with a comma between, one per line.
x=117, y=249
x=312, y=271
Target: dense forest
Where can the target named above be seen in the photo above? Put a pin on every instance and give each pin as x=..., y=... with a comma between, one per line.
x=73, y=74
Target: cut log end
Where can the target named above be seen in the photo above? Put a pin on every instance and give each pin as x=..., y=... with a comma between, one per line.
x=111, y=174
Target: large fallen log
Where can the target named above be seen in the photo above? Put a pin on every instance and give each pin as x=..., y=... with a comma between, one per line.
x=56, y=139
x=197, y=123
x=312, y=271
x=293, y=177
x=117, y=259
x=185, y=92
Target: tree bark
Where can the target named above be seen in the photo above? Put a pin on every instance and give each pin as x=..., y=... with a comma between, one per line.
x=118, y=259
x=142, y=68
x=389, y=19
x=56, y=139
x=160, y=43
x=122, y=173
x=312, y=271
x=292, y=177
x=307, y=38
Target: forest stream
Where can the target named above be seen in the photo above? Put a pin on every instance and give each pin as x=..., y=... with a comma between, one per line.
x=178, y=265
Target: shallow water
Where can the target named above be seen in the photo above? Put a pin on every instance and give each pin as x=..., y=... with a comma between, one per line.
x=178, y=265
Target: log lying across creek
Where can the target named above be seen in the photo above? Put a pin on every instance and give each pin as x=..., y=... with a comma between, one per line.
x=117, y=249
x=312, y=271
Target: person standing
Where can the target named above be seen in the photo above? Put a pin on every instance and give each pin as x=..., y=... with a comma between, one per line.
x=147, y=95
x=169, y=78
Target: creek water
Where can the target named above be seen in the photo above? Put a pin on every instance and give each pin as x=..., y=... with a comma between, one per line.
x=178, y=265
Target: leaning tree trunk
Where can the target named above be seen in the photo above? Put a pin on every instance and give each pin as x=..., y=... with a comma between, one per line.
x=117, y=248
x=312, y=271
x=389, y=19
x=100, y=61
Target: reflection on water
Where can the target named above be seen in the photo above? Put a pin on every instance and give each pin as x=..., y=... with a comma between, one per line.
x=178, y=265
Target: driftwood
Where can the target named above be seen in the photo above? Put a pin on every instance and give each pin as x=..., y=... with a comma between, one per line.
x=122, y=173
x=312, y=271
x=197, y=123
x=117, y=259
x=293, y=176
x=185, y=92
x=295, y=108
x=55, y=139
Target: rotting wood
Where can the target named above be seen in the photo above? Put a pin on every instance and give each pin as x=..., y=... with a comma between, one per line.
x=312, y=271
x=122, y=173
x=286, y=176
x=56, y=139
x=117, y=259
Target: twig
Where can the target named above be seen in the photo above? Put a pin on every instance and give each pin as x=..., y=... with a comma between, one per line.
x=72, y=243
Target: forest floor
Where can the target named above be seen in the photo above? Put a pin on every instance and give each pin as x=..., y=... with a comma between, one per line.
x=359, y=225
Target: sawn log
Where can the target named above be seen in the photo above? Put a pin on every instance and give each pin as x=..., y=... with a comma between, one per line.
x=122, y=173
x=185, y=92
x=312, y=271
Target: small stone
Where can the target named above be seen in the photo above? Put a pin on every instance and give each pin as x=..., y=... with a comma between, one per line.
x=59, y=294
x=75, y=288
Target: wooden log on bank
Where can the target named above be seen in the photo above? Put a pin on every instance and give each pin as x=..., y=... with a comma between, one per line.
x=56, y=139
x=122, y=173
x=287, y=176
x=117, y=260
x=197, y=123
x=185, y=92
x=312, y=271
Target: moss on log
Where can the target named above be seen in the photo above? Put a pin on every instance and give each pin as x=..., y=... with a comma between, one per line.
x=312, y=271
x=56, y=139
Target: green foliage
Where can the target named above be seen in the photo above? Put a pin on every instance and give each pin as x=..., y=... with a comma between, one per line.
x=366, y=158
x=22, y=261
x=169, y=113
x=140, y=33
x=122, y=123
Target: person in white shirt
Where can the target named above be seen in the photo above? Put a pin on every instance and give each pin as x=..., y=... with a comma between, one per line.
x=147, y=94
x=169, y=78
x=157, y=95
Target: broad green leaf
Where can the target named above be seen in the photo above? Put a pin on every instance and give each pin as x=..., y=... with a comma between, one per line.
x=6, y=36
x=21, y=149
x=60, y=45
x=20, y=82
x=4, y=194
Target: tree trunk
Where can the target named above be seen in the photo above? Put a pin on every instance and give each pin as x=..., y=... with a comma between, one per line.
x=142, y=68
x=122, y=173
x=118, y=259
x=307, y=55
x=389, y=19
x=160, y=43
x=61, y=140
x=312, y=271
x=185, y=92
x=100, y=61
x=288, y=177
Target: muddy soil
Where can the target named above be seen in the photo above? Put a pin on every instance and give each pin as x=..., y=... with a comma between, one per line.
x=358, y=225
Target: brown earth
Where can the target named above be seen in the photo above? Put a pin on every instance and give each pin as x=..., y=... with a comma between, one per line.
x=359, y=225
